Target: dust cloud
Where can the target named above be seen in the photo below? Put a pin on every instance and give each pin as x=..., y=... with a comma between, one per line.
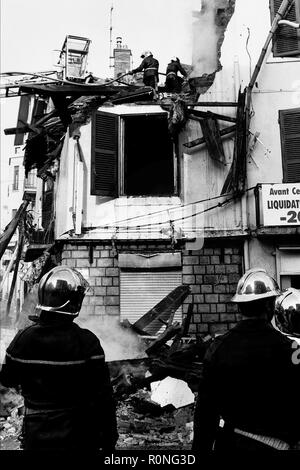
x=208, y=25
x=119, y=343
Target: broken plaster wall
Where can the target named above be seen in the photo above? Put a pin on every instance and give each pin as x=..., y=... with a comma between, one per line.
x=210, y=32
x=208, y=27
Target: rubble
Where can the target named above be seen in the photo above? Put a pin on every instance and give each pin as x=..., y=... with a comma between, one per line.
x=172, y=429
x=11, y=418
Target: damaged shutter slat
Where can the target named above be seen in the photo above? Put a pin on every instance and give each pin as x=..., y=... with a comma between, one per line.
x=286, y=40
x=104, y=170
x=289, y=121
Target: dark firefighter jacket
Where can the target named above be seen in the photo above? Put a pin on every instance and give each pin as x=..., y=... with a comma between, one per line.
x=150, y=67
x=175, y=67
x=251, y=379
x=65, y=384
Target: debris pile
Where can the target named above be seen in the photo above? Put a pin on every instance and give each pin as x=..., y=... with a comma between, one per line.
x=143, y=424
x=11, y=418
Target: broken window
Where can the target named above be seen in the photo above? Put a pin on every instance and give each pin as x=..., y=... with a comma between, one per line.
x=286, y=40
x=132, y=155
x=289, y=120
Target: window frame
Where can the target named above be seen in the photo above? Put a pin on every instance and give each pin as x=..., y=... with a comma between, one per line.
x=120, y=191
x=16, y=178
x=283, y=139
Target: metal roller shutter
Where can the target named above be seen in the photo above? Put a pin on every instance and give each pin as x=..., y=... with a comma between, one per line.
x=142, y=290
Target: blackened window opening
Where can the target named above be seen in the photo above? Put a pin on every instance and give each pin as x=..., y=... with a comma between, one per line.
x=148, y=156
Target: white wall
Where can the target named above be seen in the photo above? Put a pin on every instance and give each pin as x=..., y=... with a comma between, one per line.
x=278, y=88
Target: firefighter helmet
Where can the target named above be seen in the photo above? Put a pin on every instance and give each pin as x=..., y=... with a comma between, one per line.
x=62, y=290
x=255, y=284
x=146, y=54
x=287, y=312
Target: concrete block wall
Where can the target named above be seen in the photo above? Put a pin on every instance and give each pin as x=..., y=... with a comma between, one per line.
x=103, y=274
x=212, y=274
x=103, y=298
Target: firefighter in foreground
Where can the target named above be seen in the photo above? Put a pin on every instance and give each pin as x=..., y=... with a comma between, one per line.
x=150, y=66
x=287, y=315
x=61, y=370
x=173, y=81
x=250, y=379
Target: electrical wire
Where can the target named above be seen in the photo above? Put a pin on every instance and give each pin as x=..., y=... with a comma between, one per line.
x=157, y=224
x=170, y=209
x=250, y=59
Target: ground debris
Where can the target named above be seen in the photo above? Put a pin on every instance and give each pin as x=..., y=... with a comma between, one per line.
x=169, y=429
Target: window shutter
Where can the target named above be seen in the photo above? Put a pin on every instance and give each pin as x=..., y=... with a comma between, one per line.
x=22, y=117
x=47, y=203
x=104, y=164
x=289, y=121
x=39, y=109
x=142, y=290
x=286, y=40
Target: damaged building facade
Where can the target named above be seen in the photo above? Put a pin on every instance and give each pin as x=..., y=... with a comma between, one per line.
x=140, y=210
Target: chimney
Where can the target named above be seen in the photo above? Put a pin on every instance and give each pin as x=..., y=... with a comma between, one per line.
x=122, y=56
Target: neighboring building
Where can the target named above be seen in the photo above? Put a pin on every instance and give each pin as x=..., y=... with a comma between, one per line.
x=16, y=185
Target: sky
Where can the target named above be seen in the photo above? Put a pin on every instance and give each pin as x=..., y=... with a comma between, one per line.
x=32, y=31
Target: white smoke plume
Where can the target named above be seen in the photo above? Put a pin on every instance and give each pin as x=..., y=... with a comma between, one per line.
x=118, y=343
x=206, y=34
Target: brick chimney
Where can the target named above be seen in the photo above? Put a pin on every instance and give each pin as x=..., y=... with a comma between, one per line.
x=122, y=57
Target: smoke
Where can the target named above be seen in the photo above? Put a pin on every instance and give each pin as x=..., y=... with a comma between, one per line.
x=208, y=27
x=205, y=40
x=28, y=308
x=118, y=342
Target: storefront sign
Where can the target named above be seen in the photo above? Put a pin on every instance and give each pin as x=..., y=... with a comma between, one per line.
x=281, y=204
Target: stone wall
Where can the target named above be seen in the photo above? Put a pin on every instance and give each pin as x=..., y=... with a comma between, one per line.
x=212, y=274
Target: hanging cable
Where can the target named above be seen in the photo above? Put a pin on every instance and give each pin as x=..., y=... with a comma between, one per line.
x=158, y=224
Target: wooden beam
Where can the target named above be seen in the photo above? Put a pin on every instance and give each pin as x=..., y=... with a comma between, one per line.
x=221, y=104
x=201, y=140
x=163, y=338
x=211, y=133
x=183, y=331
x=11, y=228
x=196, y=115
x=14, y=279
x=167, y=305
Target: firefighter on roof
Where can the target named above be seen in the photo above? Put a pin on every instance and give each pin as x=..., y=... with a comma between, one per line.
x=173, y=81
x=150, y=66
x=62, y=373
